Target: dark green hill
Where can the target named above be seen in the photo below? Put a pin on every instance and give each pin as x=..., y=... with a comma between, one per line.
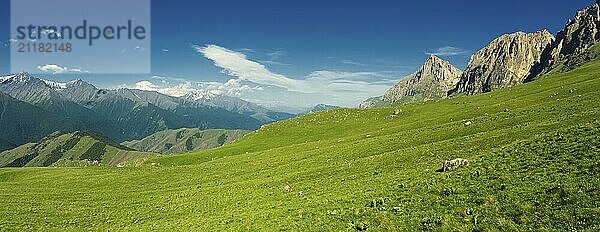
x=70, y=149
x=21, y=122
x=185, y=140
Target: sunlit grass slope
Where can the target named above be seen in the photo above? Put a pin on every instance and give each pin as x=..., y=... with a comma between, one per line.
x=534, y=152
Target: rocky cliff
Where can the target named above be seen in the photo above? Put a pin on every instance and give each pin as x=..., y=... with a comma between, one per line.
x=572, y=45
x=432, y=81
x=505, y=62
x=371, y=102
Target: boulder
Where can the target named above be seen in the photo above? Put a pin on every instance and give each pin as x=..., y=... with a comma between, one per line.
x=450, y=165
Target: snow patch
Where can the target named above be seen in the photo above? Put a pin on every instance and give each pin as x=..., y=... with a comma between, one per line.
x=5, y=78
x=55, y=85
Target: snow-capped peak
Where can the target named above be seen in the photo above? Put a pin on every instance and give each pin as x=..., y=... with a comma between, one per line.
x=55, y=85
x=21, y=77
x=202, y=95
x=5, y=78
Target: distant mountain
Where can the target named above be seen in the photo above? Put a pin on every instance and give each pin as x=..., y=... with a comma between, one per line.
x=155, y=111
x=185, y=140
x=321, y=107
x=573, y=45
x=22, y=122
x=70, y=150
x=432, y=81
x=4, y=145
x=505, y=62
x=46, y=95
x=121, y=115
x=237, y=105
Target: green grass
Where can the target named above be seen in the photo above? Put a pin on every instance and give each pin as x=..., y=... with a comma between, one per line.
x=534, y=152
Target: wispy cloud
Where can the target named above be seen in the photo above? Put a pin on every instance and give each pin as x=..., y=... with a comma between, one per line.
x=350, y=62
x=247, y=50
x=276, y=54
x=271, y=62
x=335, y=87
x=448, y=51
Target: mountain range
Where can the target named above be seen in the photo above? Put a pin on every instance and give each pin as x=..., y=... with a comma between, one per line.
x=509, y=60
x=34, y=108
x=237, y=105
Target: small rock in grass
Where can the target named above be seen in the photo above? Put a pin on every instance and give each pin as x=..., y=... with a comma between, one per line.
x=300, y=193
x=287, y=189
x=397, y=112
x=468, y=123
x=450, y=165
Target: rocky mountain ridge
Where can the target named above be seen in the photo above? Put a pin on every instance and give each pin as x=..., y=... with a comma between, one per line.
x=572, y=45
x=432, y=81
x=122, y=114
x=513, y=59
x=505, y=62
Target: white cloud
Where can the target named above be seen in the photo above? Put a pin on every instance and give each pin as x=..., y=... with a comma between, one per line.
x=448, y=51
x=238, y=65
x=176, y=90
x=179, y=87
x=78, y=70
x=332, y=87
x=247, y=50
x=139, y=49
x=57, y=69
x=52, y=68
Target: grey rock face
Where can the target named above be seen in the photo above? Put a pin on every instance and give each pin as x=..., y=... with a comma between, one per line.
x=432, y=81
x=505, y=62
x=579, y=35
x=450, y=165
x=371, y=102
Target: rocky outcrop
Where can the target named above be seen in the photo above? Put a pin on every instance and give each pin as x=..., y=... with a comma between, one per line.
x=371, y=102
x=505, y=62
x=433, y=81
x=450, y=165
x=572, y=43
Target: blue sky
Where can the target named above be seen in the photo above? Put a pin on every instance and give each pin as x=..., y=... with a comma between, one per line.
x=355, y=43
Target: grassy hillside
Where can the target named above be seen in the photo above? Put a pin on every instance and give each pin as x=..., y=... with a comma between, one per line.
x=78, y=149
x=534, y=152
x=185, y=140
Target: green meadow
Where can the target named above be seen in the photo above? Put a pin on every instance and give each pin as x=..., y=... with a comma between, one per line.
x=534, y=152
